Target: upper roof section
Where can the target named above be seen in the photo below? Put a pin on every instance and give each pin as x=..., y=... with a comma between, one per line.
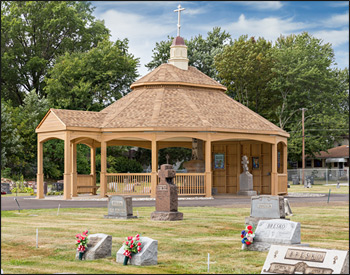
x=336, y=152
x=178, y=41
x=167, y=74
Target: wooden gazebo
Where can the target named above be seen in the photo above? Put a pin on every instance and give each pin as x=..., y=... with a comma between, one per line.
x=170, y=107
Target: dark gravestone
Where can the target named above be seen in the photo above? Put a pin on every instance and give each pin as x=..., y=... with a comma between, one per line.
x=295, y=179
x=57, y=186
x=120, y=207
x=35, y=189
x=166, y=196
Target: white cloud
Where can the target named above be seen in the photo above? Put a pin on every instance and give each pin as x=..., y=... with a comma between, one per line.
x=337, y=20
x=262, y=5
x=335, y=37
x=342, y=58
x=270, y=28
x=142, y=33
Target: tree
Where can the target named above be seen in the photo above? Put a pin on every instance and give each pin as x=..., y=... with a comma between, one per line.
x=244, y=67
x=34, y=33
x=303, y=78
x=93, y=79
x=200, y=51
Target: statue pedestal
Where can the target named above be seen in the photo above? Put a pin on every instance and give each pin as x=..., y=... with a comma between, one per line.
x=195, y=166
x=246, y=185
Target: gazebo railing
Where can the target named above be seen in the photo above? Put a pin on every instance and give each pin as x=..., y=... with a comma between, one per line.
x=140, y=183
x=282, y=183
x=128, y=184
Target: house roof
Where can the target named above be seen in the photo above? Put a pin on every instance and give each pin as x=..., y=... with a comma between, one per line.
x=171, y=98
x=336, y=152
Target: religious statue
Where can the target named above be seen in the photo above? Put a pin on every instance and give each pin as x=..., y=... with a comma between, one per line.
x=245, y=163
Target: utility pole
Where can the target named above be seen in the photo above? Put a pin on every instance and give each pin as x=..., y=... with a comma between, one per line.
x=303, y=153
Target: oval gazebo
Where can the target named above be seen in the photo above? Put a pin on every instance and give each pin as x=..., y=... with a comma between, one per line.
x=175, y=105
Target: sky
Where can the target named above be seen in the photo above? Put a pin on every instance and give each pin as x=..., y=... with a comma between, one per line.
x=146, y=22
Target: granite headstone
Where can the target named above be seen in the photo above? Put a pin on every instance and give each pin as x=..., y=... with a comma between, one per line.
x=298, y=260
x=166, y=196
x=98, y=246
x=120, y=207
x=5, y=187
x=147, y=256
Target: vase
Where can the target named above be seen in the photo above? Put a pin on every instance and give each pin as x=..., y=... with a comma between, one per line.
x=81, y=255
x=244, y=246
x=126, y=259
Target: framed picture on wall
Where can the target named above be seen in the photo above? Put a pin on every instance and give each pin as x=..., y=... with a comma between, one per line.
x=219, y=161
x=255, y=161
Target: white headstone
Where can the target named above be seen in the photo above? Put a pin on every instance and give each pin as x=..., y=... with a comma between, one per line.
x=147, y=256
x=278, y=231
x=298, y=260
x=266, y=206
x=99, y=246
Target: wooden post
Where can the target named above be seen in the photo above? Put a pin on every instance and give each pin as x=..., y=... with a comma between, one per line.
x=274, y=179
x=208, y=173
x=285, y=159
x=154, y=167
x=93, y=167
x=238, y=165
x=74, y=170
x=103, y=180
x=40, y=174
x=67, y=192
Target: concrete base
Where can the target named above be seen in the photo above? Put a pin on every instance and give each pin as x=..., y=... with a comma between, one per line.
x=262, y=246
x=119, y=217
x=253, y=221
x=247, y=193
x=166, y=216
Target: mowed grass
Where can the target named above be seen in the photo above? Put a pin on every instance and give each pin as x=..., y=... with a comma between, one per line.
x=318, y=188
x=183, y=246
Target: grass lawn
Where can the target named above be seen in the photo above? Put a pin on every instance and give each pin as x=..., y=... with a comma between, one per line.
x=183, y=246
x=318, y=188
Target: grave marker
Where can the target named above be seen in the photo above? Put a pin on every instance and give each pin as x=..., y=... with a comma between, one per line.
x=246, y=180
x=166, y=196
x=99, y=246
x=291, y=260
x=147, y=256
x=120, y=207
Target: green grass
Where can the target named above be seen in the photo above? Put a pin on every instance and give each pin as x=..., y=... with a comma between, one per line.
x=183, y=246
x=319, y=188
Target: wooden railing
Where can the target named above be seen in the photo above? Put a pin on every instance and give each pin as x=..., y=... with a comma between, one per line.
x=127, y=183
x=190, y=183
x=282, y=183
x=83, y=181
x=140, y=184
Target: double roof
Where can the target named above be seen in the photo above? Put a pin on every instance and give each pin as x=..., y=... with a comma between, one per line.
x=169, y=98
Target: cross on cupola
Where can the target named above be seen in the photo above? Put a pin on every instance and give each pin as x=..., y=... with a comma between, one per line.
x=179, y=9
x=178, y=49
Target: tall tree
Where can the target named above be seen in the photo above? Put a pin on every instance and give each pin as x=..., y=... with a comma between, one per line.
x=200, y=51
x=245, y=69
x=304, y=78
x=93, y=79
x=34, y=33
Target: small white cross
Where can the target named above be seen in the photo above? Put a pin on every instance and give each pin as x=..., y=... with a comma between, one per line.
x=178, y=19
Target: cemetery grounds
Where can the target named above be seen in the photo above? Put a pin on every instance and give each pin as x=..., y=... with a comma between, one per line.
x=183, y=246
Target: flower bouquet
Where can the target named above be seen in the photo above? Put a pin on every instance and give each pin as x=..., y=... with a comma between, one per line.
x=247, y=236
x=132, y=245
x=81, y=243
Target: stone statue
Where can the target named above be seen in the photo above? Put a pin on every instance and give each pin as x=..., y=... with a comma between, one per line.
x=246, y=180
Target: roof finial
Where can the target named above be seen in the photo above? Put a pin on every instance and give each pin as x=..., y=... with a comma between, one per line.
x=178, y=19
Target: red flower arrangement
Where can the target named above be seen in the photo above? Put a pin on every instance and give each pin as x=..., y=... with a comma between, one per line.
x=81, y=241
x=131, y=245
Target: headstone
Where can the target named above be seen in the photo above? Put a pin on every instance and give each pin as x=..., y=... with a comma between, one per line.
x=166, y=196
x=147, y=256
x=246, y=180
x=5, y=187
x=275, y=231
x=266, y=207
x=295, y=179
x=120, y=207
x=99, y=246
x=338, y=185
x=298, y=260
x=57, y=186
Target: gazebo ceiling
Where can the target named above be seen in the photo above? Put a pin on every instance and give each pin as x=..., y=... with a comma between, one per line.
x=170, y=99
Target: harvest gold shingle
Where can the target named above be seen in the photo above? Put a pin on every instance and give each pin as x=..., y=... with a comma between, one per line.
x=73, y=118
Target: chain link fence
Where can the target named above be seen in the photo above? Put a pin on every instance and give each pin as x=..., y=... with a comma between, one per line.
x=318, y=175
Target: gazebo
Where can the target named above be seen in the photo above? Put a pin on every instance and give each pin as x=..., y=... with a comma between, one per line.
x=175, y=105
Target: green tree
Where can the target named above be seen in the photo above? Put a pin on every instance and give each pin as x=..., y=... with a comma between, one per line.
x=200, y=51
x=245, y=69
x=34, y=33
x=93, y=79
x=304, y=78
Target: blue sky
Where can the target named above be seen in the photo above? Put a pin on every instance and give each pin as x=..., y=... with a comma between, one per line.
x=146, y=22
